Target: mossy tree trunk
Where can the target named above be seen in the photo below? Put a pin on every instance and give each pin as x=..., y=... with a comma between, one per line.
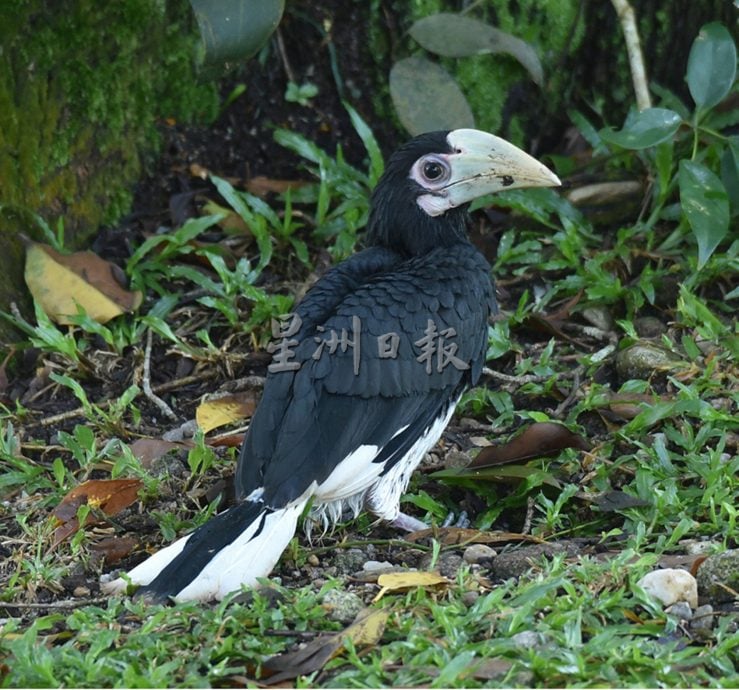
x=82, y=86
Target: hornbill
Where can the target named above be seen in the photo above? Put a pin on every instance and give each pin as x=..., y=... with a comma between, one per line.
x=368, y=370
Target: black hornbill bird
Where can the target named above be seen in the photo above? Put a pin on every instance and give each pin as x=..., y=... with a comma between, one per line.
x=369, y=370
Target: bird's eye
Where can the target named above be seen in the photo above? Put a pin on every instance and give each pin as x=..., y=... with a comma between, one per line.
x=432, y=170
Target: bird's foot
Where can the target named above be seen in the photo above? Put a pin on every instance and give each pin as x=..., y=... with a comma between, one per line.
x=462, y=520
x=408, y=523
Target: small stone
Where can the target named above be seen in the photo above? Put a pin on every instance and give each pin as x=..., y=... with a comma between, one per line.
x=378, y=567
x=702, y=618
x=313, y=560
x=718, y=577
x=476, y=553
x=342, y=606
x=649, y=327
x=698, y=547
x=528, y=639
x=480, y=441
x=81, y=592
x=349, y=561
x=641, y=360
x=448, y=564
x=456, y=458
x=680, y=610
x=600, y=317
x=469, y=598
x=671, y=585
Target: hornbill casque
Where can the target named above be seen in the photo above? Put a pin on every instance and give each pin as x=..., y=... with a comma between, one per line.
x=372, y=364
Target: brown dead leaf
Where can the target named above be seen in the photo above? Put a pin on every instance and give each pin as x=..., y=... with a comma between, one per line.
x=460, y=535
x=110, y=496
x=401, y=582
x=197, y=170
x=366, y=630
x=148, y=450
x=261, y=186
x=114, y=549
x=230, y=441
x=61, y=282
x=226, y=409
x=538, y=440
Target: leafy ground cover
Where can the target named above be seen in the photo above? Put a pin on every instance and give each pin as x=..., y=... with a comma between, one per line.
x=602, y=445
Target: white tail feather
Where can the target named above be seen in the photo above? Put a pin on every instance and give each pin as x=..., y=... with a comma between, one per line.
x=246, y=558
x=145, y=572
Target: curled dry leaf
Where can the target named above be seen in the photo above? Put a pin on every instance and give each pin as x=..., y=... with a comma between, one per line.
x=400, y=582
x=114, y=549
x=149, y=450
x=110, y=496
x=261, y=186
x=61, y=282
x=366, y=630
x=226, y=409
x=537, y=440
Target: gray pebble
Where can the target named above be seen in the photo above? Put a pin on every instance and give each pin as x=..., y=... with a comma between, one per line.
x=342, y=606
x=718, y=575
x=476, y=553
x=528, y=639
x=680, y=610
x=469, y=598
x=702, y=618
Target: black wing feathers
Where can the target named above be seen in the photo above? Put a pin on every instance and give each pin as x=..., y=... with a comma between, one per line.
x=309, y=420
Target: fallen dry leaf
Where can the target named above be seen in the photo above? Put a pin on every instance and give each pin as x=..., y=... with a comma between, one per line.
x=400, y=582
x=461, y=535
x=366, y=630
x=148, y=450
x=226, y=409
x=110, y=496
x=537, y=440
x=261, y=186
x=114, y=549
x=61, y=282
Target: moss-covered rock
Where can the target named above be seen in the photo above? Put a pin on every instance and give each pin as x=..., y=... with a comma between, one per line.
x=82, y=87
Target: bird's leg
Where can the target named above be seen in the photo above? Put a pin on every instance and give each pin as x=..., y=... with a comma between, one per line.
x=408, y=523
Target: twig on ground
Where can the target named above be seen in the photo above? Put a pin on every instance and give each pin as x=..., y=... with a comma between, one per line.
x=146, y=382
x=574, y=389
x=526, y=528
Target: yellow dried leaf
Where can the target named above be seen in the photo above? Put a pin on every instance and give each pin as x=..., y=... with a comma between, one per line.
x=367, y=627
x=399, y=582
x=224, y=410
x=59, y=283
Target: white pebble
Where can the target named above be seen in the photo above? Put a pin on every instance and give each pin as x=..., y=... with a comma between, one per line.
x=671, y=585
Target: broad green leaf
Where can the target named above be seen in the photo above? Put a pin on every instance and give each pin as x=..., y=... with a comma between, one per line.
x=646, y=128
x=705, y=204
x=233, y=29
x=426, y=98
x=454, y=35
x=711, y=65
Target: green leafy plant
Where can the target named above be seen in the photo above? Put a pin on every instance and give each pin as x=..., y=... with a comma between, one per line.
x=687, y=149
x=341, y=198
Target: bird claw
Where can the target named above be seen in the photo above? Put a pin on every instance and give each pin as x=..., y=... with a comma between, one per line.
x=462, y=520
